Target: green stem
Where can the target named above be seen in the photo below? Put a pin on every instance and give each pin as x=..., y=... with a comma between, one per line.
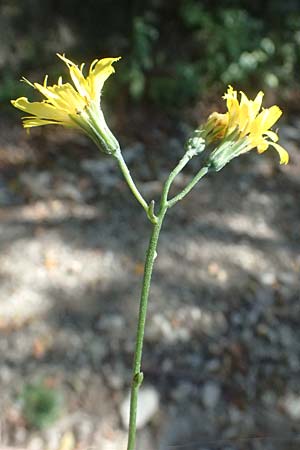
x=182, y=163
x=188, y=187
x=137, y=374
x=124, y=169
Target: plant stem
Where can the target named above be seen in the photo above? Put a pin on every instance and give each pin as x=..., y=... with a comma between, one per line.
x=182, y=163
x=124, y=169
x=188, y=187
x=137, y=377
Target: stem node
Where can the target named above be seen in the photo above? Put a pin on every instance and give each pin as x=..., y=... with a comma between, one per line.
x=151, y=214
x=138, y=379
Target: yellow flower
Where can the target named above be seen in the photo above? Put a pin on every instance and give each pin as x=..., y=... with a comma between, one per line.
x=246, y=125
x=75, y=106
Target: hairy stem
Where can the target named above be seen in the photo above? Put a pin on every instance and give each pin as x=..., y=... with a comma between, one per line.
x=137, y=376
x=182, y=163
x=202, y=172
x=124, y=169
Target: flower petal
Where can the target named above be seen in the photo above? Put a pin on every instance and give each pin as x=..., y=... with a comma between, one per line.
x=99, y=71
x=262, y=145
x=284, y=156
x=77, y=76
x=257, y=103
x=272, y=135
x=32, y=121
x=41, y=110
x=247, y=124
x=266, y=119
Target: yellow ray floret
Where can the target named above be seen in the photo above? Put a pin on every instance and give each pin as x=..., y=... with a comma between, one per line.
x=64, y=103
x=250, y=125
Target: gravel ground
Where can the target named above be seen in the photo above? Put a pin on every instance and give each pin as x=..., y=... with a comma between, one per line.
x=222, y=349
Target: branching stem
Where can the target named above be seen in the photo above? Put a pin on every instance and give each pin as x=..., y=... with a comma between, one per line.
x=137, y=375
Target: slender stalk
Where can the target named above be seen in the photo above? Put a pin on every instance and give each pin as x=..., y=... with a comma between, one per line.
x=182, y=163
x=188, y=187
x=130, y=182
x=137, y=376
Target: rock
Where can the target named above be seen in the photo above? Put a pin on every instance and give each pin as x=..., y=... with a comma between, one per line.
x=268, y=278
x=38, y=184
x=182, y=323
x=84, y=430
x=159, y=327
x=115, y=381
x=69, y=190
x=98, y=167
x=269, y=399
x=111, y=322
x=291, y=404
x=97, y=351
x=6, y=374
x=288, y=278
x=213, y=365
x=289, y=132
x=211, y=394
x=286, y=336
x=52, y=437
x=8, y=196
x=146, y=439
x=148, y=405
x=20, y=435
x=109, y=438
x=104, y=172
x=187, y=426
x=183, y=391
x=35, y=443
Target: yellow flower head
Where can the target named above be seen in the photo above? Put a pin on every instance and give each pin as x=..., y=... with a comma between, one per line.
x=246, y=125
x=75, y=106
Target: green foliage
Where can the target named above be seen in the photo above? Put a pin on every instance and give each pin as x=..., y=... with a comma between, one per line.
x=230, y=40
x=41, y=404
x=177, y=88
x=217, y=46
x=225, y=36
x=173, y=52
x=144, y=35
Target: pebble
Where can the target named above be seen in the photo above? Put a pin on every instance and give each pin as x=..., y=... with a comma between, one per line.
x=84, y=431
x=5, y=374
x=213, y=365
x=38, y=184
x=269, y=398
x=268, y=278
x=291, y=404
x=148, y=406
x=69, y=190
x=35, y=443
x=195, y=365
x=20, y=435
x=211, y=394
x=288, y=278
x=115, y=381
x=111, y=322
x=289, y=132
x=182, y=392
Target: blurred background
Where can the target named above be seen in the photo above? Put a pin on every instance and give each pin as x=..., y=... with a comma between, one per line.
x=222, y=347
